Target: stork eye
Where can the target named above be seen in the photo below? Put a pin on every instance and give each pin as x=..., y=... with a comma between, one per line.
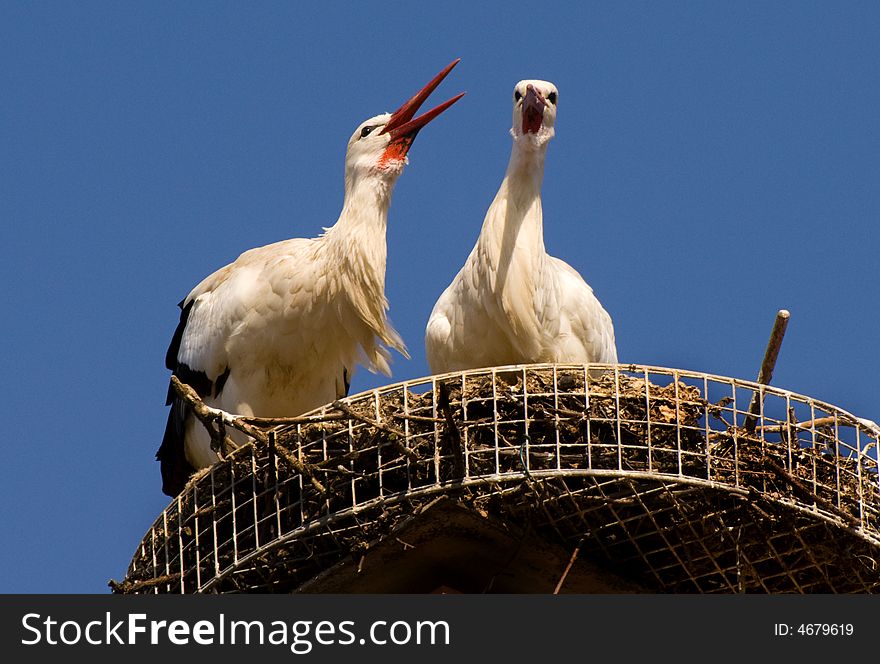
x=517, y=95
x=552, y=98
x=366, y=130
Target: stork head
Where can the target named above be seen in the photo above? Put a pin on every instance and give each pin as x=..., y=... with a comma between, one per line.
x=379, y=146
x=534, y=113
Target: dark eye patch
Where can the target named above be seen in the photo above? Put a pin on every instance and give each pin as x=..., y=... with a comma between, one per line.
x=551, y=97
x=366, y=130
x=517, y=95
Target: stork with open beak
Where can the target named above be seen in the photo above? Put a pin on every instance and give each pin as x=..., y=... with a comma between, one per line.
x=512, y=303
x=279, y=331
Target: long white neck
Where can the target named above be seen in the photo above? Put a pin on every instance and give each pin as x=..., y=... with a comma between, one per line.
x=355, y=250
x=509, y=259
x=525, y=170
x=514, y=221
x=357, y=239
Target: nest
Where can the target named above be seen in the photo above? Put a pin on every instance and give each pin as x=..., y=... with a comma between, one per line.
x=636, y=469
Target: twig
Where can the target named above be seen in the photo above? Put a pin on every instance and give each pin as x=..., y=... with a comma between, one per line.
x=790, y=431
x=299, y=467
x=134, y=586
x=806, y=425
x=568, y=567
x=767, y=366
x=281, y=421
x=394, y=431
x=272, y=477
x=218, y=442
x=406, y=545
x=452, y=431
x=754, y=497
x=213, y=417
x=808, y=495
x=564, y=412
x=211, y=509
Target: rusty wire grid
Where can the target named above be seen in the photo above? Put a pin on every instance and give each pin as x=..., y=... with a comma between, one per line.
x=649, y=471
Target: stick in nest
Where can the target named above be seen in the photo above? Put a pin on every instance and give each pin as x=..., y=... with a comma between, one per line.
x=454, y=435
x=571, y=560
x=767, y=366
x=807, y=495
x=303, y=469
x=142, y=584
x=215, y=419
x=394, y=431
x=212, y=418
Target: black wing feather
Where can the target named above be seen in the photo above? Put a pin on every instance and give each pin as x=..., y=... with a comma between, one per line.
x=177, y=337
x=176, y=470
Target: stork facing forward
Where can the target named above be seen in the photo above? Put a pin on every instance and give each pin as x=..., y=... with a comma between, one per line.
x=512, y=303
x=279, y=331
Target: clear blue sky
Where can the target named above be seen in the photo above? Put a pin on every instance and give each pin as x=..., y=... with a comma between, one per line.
x=713, y=162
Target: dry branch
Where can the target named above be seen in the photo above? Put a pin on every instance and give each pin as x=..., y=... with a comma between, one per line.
x=571, y=560
x=767, y=366
x=213, y=418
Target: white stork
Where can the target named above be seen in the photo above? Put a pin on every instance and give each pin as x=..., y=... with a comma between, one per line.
x=512, y=303
x=279, y=331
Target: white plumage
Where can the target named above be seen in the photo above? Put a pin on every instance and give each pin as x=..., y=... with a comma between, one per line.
x=279, y=331
x=511, y=302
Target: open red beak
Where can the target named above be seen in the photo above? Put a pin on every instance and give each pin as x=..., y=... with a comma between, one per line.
x=532, y=111
x=403, y=128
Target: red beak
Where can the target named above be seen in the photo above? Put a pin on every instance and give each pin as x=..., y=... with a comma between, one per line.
x=532, y=111
x=401, y=125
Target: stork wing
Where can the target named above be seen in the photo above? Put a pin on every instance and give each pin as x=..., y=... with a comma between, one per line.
x=585, y=328
x=195, y=352
x=198, y=355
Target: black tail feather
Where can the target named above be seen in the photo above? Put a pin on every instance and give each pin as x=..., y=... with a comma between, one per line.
x=176, y=470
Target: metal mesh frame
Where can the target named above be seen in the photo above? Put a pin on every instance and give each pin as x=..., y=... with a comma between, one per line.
x=651, y=471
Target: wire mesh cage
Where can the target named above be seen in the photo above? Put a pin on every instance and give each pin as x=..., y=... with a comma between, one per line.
x=661, y=475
